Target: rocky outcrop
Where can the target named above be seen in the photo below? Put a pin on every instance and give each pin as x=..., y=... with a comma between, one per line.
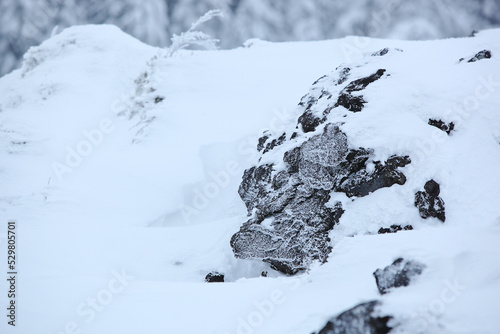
x=399, y=273
x=288, y=194
x=394, y=229
x=358, y=320
x=429, y=203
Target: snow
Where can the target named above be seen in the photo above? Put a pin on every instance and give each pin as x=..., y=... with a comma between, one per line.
x=162, y=209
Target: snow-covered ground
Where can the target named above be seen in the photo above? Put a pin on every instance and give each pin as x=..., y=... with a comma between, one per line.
x=125, y=190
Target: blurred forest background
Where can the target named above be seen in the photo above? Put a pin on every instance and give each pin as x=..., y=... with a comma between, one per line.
x=24, y=23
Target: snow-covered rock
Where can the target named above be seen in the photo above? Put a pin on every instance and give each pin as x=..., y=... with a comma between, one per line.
x=361, y=319
x=399, y=273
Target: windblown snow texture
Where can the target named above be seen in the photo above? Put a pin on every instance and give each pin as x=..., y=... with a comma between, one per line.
x=318, y=160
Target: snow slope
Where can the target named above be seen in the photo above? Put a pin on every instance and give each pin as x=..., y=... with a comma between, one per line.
x=108, y=174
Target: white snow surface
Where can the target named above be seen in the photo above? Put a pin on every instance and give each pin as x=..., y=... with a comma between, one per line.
x=160, y=205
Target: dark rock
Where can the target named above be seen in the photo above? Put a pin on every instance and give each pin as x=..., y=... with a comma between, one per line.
x=400, y=273
x=214, y=277
x=359, y=182
x=358, y=320
x=309, y=122
x=432, y=188
x=352, y=102
x=362, y=83
x=343, y=74
x=429, y=203
x=384, y=51
x=484, y=54
x=394, y=229
x=262, y=141
x=158, y=99
x=274, y=143
x=263, y=274
x=442, y=125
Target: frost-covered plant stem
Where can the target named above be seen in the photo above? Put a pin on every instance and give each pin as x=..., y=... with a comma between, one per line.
x=193, y=36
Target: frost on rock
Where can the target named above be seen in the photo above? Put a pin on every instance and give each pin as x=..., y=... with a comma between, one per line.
x=429, y=203
x=361, y=319
x=296, y=175
x=399, y=273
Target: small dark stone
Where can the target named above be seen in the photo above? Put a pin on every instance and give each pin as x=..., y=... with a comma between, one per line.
x=309, y=122
x=262, y=141
x=274, y=143
x=381, y=52
x=429, y=203
x=158, y=99
x=485, y=54
x=283, y=266
x=358, y=320
x=214, y=277
x=394, y=229
x=399, y=273
x=384, y=51
x=432, y=188
x=351, y=103
x=362, y=83
x=356, y=103
x=343, y=75
x=442, y=125
x=263, y=274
